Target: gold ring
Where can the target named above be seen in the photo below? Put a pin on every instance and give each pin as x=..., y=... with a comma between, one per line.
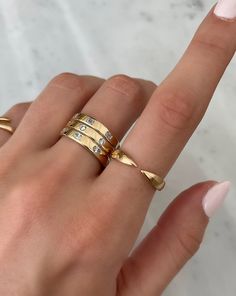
x=157, y=182
x=5, y=124
x=96, y=138
x=87, y=143
x=91, y=133
x=98, y=126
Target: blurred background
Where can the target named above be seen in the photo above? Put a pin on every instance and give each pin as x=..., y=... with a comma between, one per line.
x=42, y=38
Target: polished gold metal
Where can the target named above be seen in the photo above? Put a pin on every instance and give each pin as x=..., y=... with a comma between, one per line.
x=157, y=182
x=92, y=134
x=87, y=143
x=98, y=126
x=5, y=124
x=5, y=119
x=96, y=138
x=122, y=157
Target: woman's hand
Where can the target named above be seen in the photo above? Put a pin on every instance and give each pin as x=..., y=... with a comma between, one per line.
x=66, y=227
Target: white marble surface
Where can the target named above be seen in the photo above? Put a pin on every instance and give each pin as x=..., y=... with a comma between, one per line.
x=41, y=38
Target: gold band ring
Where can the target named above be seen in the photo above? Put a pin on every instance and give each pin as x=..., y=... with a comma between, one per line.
x=98, y=126
x=91, y=133
x=87, y=143
x=157, y=182
x=96, y=138
x=5, y=124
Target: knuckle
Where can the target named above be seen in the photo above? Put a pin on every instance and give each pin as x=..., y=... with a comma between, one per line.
x=96, y=241
x=152, y=84
x=67, y=81
x=56, y=173
x=129, y=273
x=175, y=109
x=212, y=45
x=23, y=202
x=129, y=268
x=30, y=198
x=189, y=243
x=85, y=244
x=19, y=108
x=186, y=244
x=125, y=85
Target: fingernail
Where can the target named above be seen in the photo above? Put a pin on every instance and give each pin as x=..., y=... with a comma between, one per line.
x=215, y=197
x=226, y=9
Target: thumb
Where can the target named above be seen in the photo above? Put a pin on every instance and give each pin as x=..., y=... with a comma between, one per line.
x=172, y=242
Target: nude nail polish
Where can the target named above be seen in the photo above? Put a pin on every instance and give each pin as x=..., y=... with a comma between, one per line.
x=226, y=9
x=215, y=197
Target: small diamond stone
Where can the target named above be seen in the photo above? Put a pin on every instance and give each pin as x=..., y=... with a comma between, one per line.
x=90, y=120
x=108, y=135
x=96, y=149
x=102, y=141
x=78, y=135
x=83, y=127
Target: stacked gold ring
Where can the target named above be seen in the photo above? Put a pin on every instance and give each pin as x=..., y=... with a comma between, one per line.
x=5, y=124
x=98, y=126
x=87, y=143
x=92, y=135
x=97, y=139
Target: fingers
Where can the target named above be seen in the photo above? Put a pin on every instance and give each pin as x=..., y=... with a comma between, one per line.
x=117, y=104
x=65, y=95
x=15, y=114
x=172, y=242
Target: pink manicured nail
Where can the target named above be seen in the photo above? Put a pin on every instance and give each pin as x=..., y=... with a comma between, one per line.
x=226, y=9
x=215, y=198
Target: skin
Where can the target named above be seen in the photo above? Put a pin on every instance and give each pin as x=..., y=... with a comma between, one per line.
x=66, y=226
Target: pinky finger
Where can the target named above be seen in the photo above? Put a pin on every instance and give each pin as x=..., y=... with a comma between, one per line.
x=15, y=114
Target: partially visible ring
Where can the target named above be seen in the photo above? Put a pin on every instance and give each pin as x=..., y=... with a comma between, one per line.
x=156, y=181
x=98, y=126
x=87, y=143
x=5, y=124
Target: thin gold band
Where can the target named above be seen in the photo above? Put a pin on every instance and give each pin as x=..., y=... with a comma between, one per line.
x=5, y=124
x=157, y=182
x=98, y=126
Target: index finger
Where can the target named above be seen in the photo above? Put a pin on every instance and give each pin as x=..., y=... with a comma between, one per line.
x=178, y=105
x=167, y=122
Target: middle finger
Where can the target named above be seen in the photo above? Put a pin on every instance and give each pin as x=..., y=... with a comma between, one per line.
x=117, y=104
